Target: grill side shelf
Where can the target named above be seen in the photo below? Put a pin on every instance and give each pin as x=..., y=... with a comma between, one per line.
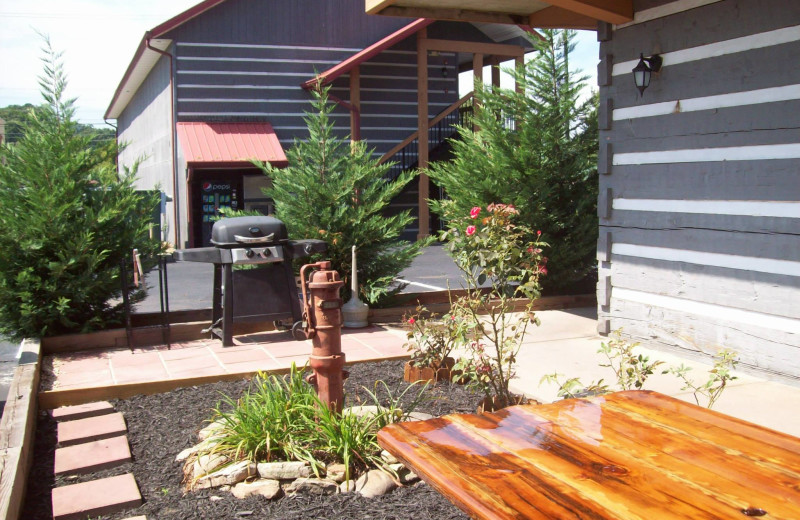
x=210, y=255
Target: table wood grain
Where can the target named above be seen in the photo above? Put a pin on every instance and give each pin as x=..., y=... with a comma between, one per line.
x=627, y=455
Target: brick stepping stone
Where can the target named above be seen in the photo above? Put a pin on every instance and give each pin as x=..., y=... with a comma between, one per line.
x=91, y=429
x=82, y=411
x=92, y=456
x=94, y=498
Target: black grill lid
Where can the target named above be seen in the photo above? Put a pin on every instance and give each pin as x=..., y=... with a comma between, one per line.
x=247, y=231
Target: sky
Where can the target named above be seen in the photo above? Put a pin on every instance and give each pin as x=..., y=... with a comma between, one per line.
x=98, y=39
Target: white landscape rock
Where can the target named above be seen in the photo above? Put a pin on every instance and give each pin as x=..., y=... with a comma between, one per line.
x=284, y=470
x=348, y=486
x=268, y=489
x=388, y=458
x=405, y=475
x=208, y=463
x=375, y=483
x=419, y=416
x=336, y=472
x=313, y=486
x=229, y=475
x=212, y=429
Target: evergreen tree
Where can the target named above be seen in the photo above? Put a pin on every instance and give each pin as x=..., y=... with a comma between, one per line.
x=67, y=221
x=535, y=149
x=336, y=191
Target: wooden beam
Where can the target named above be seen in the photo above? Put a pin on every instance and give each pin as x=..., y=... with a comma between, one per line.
x=499, y=49
x=611, y=11
x=423, y=215
x=456, y=15
x=375, y=6
x=355, y=101
x=558, y=18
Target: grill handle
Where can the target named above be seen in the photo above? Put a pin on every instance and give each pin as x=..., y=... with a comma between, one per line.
x=254, y=240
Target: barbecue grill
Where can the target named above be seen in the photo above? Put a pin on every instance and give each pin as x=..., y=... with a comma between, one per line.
x=265, y=293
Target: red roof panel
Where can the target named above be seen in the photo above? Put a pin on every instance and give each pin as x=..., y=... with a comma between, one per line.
x=218, y=143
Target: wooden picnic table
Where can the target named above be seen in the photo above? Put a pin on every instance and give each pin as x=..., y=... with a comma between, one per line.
x=627, y=455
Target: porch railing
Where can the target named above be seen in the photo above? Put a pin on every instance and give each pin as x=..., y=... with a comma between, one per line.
x=443, y=126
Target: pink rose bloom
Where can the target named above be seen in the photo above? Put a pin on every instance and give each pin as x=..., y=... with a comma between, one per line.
x=471, y=230
x=411, y=321
x=474, y=212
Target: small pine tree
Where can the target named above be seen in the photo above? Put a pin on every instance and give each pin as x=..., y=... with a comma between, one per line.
x=544, y=164
x=67, y=221
x=336, y=191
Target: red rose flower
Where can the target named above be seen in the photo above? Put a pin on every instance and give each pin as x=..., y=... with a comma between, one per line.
x=471, y=230
x=474, y=212
x=411, y=321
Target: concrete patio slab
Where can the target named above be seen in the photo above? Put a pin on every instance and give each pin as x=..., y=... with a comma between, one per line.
x=93, y=456
x=82, y=411
x=94, y=498
x=91, y=429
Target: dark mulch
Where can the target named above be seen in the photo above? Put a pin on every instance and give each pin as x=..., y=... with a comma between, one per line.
x=161, y=426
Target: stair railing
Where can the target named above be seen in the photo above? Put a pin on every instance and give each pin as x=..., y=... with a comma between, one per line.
x=440, y=128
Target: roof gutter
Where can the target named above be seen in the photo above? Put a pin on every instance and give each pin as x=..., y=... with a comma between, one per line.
x=173, y=150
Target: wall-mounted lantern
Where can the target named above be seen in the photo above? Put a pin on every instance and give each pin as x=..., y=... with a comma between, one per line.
x=644, y=69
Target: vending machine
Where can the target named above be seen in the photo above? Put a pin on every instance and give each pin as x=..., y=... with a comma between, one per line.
x=210, y=196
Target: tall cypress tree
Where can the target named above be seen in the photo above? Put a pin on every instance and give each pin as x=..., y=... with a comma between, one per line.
x=536, y=149
x=335, y=190
x=67, y=221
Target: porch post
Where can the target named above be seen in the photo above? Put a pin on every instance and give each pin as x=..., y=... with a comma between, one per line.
x=477, y=73
x=495, y=63
x=422, y=125
x=519, y=61
x=355, y=100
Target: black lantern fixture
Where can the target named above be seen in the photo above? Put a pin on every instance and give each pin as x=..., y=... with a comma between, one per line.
x=643, y=70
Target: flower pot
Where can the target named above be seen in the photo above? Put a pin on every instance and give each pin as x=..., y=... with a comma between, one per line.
x=413, y=373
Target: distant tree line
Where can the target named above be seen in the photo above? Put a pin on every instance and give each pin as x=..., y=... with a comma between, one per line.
x=15, y=116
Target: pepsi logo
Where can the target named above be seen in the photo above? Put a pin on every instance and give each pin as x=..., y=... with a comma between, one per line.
x=207, y=186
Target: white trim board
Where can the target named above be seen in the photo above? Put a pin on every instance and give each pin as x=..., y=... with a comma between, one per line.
x=716, y=49
x=742, y=263
x=747, y=208
x=664, y=10
x=256, y=46
x=733, y=153
x=709, y=310
x=734, y=99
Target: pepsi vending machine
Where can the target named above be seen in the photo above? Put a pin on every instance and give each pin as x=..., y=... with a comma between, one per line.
x=213, y=195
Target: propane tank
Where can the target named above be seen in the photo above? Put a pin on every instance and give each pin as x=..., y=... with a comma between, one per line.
x=355, y=311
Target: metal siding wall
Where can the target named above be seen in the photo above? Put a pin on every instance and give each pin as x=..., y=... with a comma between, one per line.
x=699, y=246
x=144, y=126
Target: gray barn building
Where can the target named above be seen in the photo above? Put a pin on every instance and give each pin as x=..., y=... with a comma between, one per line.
x=699, y=240
x=227, y=81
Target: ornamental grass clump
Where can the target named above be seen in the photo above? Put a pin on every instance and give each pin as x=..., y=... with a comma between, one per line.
x=283, y=419
x=488, y=246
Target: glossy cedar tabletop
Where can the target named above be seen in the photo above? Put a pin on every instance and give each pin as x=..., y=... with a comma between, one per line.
x=628, y=455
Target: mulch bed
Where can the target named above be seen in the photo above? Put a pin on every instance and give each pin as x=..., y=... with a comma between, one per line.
x=160, y=426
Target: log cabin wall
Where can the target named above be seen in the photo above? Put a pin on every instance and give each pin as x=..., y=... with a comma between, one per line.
x=699, y=245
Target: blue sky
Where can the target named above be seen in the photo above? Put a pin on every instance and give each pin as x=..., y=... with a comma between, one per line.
x=98, y=39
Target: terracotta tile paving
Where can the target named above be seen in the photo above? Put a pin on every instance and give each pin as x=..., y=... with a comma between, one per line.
x=206, y=357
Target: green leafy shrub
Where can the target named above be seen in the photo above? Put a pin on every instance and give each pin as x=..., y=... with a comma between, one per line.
x=724, y=363
x=544, y=163
x=335, y=190
x=68, y=220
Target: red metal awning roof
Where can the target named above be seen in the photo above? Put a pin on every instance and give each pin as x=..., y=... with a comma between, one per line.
x=376, y=48
x=228, y=143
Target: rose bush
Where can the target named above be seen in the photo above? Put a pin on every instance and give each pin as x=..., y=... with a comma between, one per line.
x=494, y=251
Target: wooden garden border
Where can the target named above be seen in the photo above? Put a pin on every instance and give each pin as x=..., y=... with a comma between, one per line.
x=17, y=429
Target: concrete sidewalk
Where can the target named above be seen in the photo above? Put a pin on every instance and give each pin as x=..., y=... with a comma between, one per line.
x=567, y=343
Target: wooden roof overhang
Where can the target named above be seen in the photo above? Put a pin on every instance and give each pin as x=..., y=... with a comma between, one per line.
x=569, y=14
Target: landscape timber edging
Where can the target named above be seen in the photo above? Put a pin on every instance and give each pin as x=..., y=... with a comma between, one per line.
x=17, y=429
